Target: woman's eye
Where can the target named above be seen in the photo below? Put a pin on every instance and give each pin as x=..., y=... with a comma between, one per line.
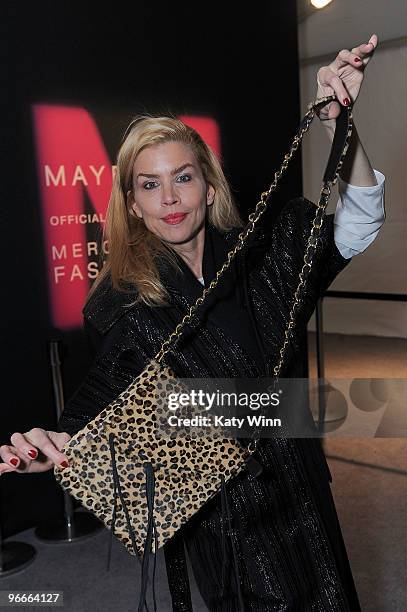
x=146, y=185
x=186, y=176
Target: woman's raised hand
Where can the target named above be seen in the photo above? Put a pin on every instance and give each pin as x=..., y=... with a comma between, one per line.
x=343, y=77
x=36, y=450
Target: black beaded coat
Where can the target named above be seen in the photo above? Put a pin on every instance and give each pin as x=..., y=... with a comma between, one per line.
x=288, y=545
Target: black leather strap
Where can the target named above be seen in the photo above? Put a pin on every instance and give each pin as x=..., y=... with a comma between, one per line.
x=338, y=144
x=340, y=137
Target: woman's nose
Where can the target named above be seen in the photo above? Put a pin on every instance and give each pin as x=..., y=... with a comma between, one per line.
x=169, y=195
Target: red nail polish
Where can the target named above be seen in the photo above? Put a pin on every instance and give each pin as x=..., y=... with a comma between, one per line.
x=32, y=453
x=14, y=461
x=346, y=101
x=64, y=464
x=357, y=59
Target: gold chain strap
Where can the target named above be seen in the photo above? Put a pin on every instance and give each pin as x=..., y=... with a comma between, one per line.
x=254, y=217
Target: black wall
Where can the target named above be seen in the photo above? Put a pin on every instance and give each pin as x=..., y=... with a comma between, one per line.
x=237, y=64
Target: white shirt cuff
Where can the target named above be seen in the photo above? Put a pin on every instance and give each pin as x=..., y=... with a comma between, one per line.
x=359, y=215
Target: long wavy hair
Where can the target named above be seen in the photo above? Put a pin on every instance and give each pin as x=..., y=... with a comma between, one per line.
x=132, y=248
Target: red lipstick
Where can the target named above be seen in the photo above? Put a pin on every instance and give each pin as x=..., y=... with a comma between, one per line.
x=174, y=218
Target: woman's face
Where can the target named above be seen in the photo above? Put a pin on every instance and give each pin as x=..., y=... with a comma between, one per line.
x=170, y=193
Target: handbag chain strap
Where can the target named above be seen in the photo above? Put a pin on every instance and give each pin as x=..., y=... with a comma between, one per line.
x=330, y=177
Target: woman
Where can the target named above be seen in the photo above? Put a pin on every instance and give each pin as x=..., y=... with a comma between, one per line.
x=171, y=221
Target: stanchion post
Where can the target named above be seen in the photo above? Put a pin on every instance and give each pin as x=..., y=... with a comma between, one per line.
x=74, y=525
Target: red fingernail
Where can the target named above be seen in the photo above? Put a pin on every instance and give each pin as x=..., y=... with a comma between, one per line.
x=14, y=461
x=357, y=59
x=346, y=101
x=32, y=453
x=64, y=464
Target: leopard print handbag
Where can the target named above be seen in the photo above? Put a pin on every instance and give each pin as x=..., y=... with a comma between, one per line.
x=144, y=485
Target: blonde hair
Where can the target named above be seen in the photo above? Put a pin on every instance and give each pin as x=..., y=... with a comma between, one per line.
x=132, y=248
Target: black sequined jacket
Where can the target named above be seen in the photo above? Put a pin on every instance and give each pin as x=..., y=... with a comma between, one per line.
x=239, y=333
